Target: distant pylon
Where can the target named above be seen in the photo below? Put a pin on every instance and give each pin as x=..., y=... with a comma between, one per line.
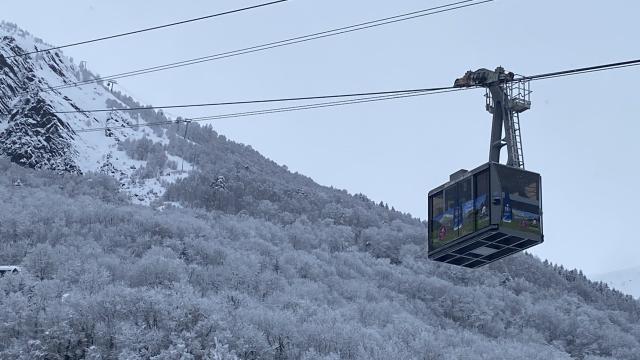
x=186, y=127
x=110, y=84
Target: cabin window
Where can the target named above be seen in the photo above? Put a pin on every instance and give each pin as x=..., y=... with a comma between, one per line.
x=437, y=215
x=520, y=199
x=465, y=208
x=450, y=219
x=451, y=214
x=444, y=207
x=481, y=202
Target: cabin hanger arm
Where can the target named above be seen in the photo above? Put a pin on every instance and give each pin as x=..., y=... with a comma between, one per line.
x=506, y=97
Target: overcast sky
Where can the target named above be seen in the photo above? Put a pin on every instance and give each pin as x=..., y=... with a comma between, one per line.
x=581, y=133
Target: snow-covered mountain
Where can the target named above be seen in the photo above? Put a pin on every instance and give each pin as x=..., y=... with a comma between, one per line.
x=34, y=132
x=626, y=280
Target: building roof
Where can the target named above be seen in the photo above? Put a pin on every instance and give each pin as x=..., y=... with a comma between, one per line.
x=9, y=268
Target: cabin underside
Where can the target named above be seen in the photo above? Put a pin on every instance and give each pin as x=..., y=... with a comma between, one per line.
x=483, y=248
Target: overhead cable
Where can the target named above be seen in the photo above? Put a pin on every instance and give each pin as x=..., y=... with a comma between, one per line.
x=290, y=41
x=583, y=70
x=367, y=99
x=543, y=76
x=259, y=101
x=148, y=29
x=363, y=98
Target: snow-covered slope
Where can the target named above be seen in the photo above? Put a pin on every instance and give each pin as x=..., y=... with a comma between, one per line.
x=626, y=280
x=34, y=133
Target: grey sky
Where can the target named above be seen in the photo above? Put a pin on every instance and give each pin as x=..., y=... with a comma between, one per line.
x=581, y=133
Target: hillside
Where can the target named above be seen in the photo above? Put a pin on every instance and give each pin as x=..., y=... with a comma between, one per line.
x=39, y=128
x=238, y=258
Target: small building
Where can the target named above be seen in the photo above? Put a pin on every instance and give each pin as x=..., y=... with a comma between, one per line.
x=9, y=269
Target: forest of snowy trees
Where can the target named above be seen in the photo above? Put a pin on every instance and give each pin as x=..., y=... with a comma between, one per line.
x=245, y=260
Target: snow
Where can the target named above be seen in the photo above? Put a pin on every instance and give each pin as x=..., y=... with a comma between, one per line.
x=92, y=151
x=4, y=124
x=167, y=204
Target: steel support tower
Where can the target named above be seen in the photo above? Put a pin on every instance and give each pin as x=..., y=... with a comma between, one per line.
x=506, y=97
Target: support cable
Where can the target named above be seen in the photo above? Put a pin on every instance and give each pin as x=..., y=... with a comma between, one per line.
x=280, y=109
x=544, y=76
x=295, y=40
x=148, y=29
x=583, y=70
x=259, y=101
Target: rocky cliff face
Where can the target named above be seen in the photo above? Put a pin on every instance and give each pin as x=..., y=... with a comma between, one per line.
x=37, y=130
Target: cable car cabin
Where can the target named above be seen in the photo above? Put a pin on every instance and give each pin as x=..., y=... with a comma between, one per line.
x=483, y=215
